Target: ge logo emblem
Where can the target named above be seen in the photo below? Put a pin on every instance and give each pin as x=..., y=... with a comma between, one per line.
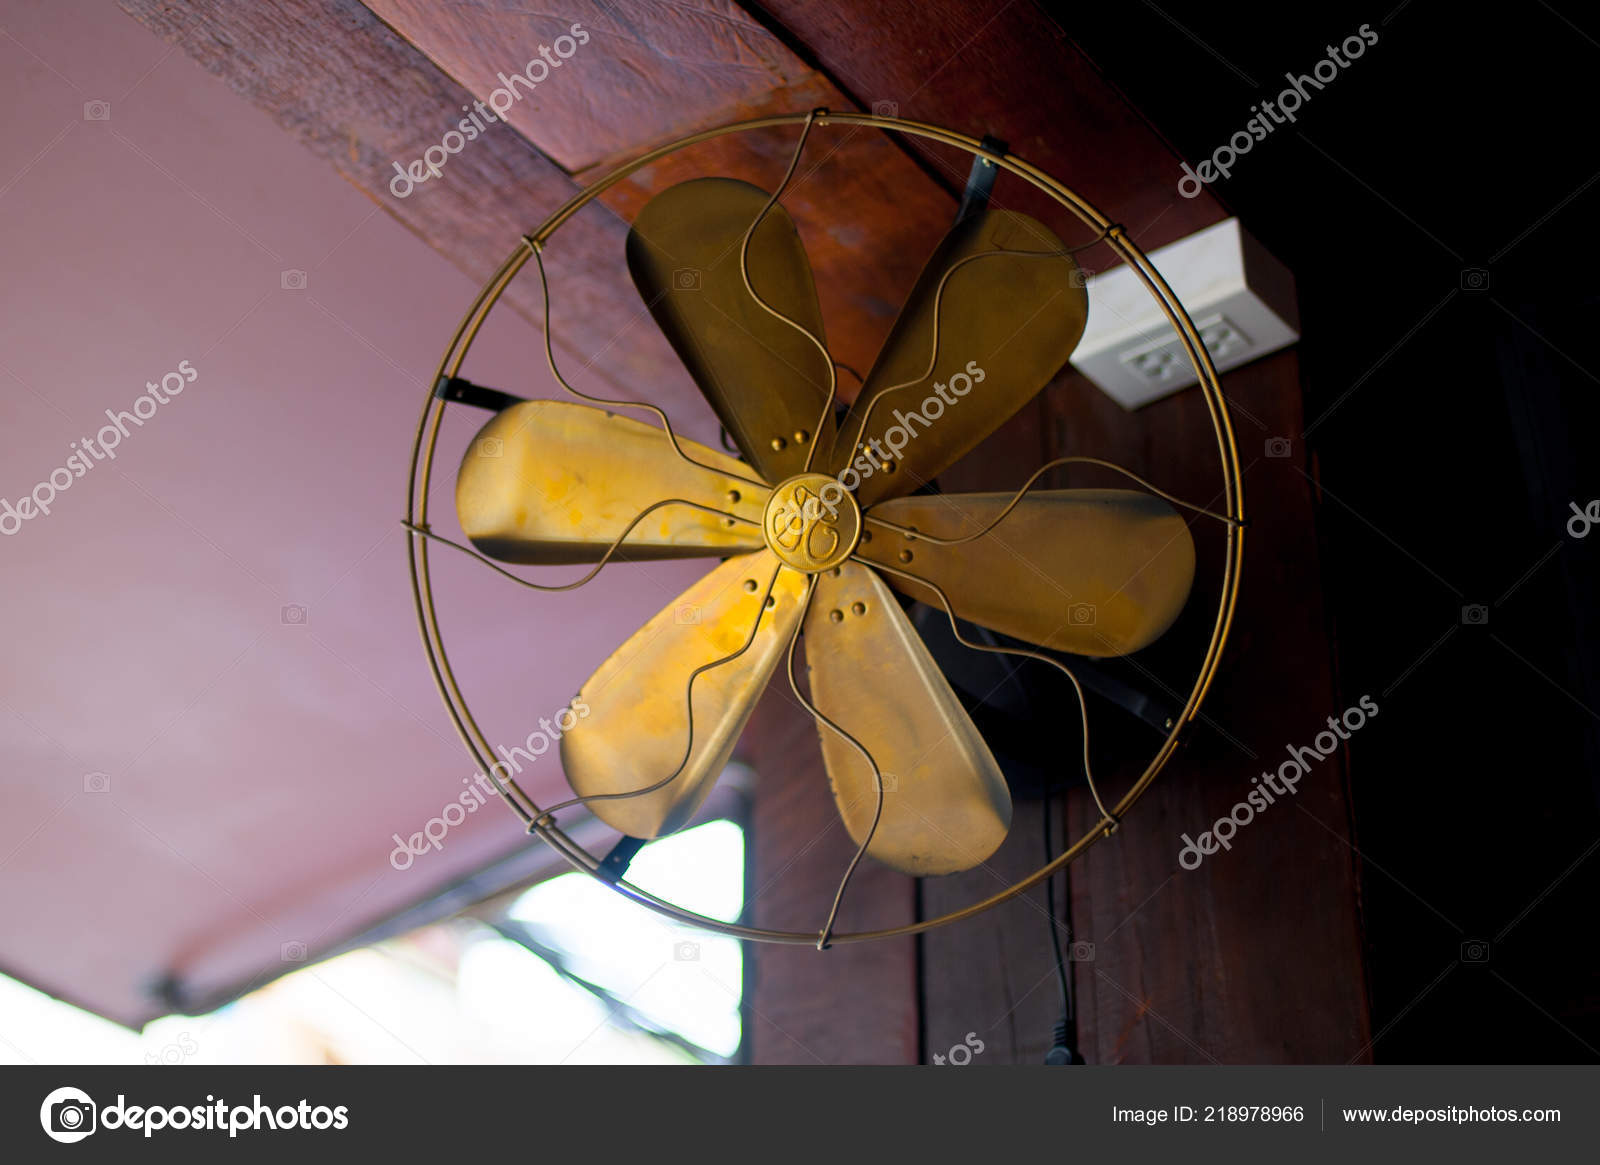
x=812, y=523
x=68, y=1115
x=800, y=523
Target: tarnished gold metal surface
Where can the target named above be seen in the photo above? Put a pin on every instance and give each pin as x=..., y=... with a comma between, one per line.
x=945, y=803
x=1091, y=571
x=766, y=381
x=636, y=732
x=811, y=523
x=426, y=443
x=1010, y=307
x=549, y=481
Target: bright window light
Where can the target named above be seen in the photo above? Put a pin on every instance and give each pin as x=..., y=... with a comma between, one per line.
x=600, y=980
x=676, y=977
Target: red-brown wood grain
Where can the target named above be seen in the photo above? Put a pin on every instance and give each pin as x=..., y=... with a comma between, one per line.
x=1004, y=68
x=868, y=215
x=1254, y=957
x=638, y=72
x=855, y=1003
x=653, y=72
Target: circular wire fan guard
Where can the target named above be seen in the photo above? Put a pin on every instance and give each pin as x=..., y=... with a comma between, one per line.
x=819, y=561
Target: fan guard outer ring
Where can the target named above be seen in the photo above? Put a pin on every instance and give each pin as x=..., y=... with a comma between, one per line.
x=427, y=435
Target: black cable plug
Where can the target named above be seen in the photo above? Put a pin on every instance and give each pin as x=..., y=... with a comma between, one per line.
x=1061, y=1052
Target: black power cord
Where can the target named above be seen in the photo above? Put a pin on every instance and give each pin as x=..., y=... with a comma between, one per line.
x=1063, y=1037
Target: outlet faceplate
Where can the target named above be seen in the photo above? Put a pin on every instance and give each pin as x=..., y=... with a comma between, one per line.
x=1241, y=299
x=1163, y=361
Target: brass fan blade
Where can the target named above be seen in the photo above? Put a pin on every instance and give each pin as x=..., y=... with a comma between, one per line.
x=548, y=481
x=766, y=381
x=1090, y=571
x=946, y=806
x=636, y=730
x=1006, y=324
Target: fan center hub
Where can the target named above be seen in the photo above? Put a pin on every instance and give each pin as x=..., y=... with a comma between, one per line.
x=812, y=522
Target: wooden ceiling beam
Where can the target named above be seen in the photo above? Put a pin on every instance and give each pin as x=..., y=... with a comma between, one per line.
x=1004, y=68
x=647, y=73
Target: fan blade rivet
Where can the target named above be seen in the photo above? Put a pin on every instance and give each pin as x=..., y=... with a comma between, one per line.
x=777, y=444
x=858, y=608
x=733, y=497
x=801, y=436
x=836, y=616
x=771, y=602
x=750, y=585
x=866, y=535
x=905, y=556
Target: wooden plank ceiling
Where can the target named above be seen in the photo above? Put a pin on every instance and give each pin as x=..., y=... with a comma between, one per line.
x=365, y=86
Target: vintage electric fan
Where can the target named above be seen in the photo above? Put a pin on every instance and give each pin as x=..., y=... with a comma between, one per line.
x=821, y=523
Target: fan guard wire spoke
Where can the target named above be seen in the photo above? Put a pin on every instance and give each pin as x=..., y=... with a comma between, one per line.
x=866, y=753
x=598, y=566
x=546, y=817
x=744, y=274
x=1083, y=707
x=550, y=358
x=426, y=441
x=938, y=304
x=918, y=535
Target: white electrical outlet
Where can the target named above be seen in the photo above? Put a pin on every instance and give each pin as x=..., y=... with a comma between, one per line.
x=1241, y=299
x=1164, y=362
